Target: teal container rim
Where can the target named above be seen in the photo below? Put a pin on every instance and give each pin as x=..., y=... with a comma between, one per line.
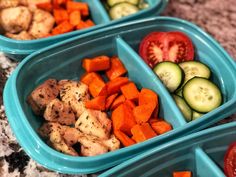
x=14, y=50
x=11, y=85
x=166, y=145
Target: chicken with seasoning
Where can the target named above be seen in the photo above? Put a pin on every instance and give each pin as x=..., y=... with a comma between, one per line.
x=15, y=19
x=21, y=20
x=69, y=122
x=42, y=23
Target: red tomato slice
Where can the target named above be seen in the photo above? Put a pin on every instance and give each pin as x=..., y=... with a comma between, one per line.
x=179, y=47
x=230, y=161
x=166, y=46
x=151, y=48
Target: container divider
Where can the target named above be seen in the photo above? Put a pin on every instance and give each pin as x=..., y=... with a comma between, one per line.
x=98, y=11
x=205, y=167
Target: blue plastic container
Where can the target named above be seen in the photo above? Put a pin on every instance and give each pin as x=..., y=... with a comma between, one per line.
x=201, y=153
x=17, y=49
x=63, y=61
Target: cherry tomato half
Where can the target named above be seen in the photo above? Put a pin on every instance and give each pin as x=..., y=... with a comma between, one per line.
x=166, y=46
x=151, y=48
x=230, y=161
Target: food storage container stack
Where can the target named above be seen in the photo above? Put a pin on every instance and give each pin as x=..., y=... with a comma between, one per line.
x=63, y=61
x=18, y=49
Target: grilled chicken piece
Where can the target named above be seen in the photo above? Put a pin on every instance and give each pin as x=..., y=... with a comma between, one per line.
x=15, y=19
x=57, y=142
x=24, y=35
x=112, y=143
x=89, y=123
x=91, y=146
x=62, y=138
x=57, y=111
x=71, y=136
x=42, y=95
x=54, y=133
x=103, y=119
x=42, y=23
x=8, y=3
x=61, y=83
x=75, y=94
x=46, y=129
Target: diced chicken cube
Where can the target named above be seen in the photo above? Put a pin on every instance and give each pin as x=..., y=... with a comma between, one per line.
x=89, y=123
x=75, y=94
x=24, y=35
x=15, y=19
x=103, y=119
x=57, y=142
x=46, y=129
x=71, y=136
x=91, y=146
x=42, y=95
x=57, y=111
x=42, y=23
x=112, y=143
x=54, y=133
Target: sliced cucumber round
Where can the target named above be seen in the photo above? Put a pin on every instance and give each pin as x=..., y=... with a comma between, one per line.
x=196, y=115
x=122, y=9
x=184, y=108
x=202, y=95
x=194, y=68
x=170, y=74
x=114, y=2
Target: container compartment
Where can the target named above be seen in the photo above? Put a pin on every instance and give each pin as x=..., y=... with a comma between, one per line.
x=68, y=66
x=166, y=161
x=159, y=164
x=197, y=153
x=205, y=52
x=63, y=61
x=18, y=49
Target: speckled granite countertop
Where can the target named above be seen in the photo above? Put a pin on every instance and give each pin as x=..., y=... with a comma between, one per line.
x=217, y=17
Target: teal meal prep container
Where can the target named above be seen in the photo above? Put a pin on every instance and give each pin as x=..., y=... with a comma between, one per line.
x=63, y=61
x=202, y=153
x=18, y=49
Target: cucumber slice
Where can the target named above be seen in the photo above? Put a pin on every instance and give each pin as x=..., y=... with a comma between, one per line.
x=184, y=108
x=170, y=74
x=114, y=2
x=196, y=115
x=122, y=10
x=202, y=95
x=194, y=68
